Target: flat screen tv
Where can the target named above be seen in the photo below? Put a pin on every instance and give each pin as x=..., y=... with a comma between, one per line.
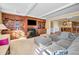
x=31, y=22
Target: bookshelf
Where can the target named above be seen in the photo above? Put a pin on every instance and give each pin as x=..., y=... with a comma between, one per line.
x=16, y=22
x=70, y=26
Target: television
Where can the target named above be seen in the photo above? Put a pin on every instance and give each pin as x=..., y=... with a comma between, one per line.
x=31, y=22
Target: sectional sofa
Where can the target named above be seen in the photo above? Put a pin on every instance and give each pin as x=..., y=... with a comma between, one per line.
x=64, y=43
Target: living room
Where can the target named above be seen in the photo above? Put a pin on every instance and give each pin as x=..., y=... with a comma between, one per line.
x=53, y=31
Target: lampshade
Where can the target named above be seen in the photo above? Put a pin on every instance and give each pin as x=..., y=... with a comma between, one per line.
x=2, y=26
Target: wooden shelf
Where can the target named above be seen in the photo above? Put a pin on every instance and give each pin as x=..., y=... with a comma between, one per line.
x=10, y=20
x=74, y=27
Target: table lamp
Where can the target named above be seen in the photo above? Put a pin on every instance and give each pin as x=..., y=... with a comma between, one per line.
x=2, y=27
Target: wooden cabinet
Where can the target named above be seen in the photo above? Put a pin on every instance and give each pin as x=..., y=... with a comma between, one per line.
x=40, y=25
x=13, y=22
x=71, y=26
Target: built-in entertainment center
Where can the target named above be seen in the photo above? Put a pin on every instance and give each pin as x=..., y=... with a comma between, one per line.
x=24, y=23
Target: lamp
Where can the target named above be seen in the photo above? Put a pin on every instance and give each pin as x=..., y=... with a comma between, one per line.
x=2, y=27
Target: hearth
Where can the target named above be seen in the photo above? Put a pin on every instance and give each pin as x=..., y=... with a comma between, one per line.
x=32, y=32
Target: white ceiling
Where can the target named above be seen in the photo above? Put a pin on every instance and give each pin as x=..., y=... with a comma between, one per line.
x=39, y=10
x=16, y=8
x=43, y=8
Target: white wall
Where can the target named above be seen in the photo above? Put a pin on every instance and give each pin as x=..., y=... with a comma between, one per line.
x=56, y=26
x=48, y=26
x=52, y=27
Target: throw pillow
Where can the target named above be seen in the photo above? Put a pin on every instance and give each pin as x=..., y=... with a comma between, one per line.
x=4, y=41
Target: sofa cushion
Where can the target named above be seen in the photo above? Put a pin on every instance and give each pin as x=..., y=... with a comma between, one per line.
x=42, y=41
x=53, y=48
x=74, y=48
x=5, y=45
x=63, y=35
x=4, y=41
x=72, y=36
x=5, y=36
x=54, y=38
x=67, y=36
x=64, y=43
x=77, y=39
